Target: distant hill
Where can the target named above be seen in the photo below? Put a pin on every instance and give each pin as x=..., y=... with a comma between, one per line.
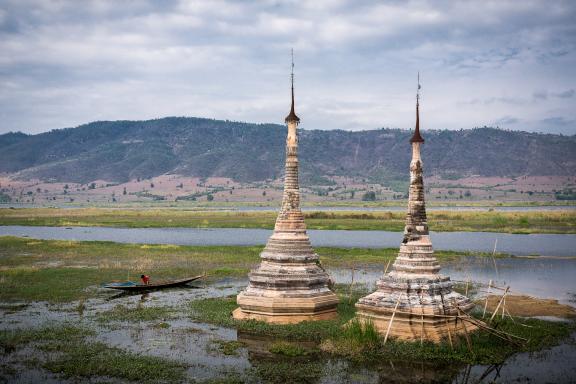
x=119, y=151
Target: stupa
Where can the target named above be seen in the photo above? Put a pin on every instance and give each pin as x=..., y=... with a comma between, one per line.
x=420, y=301
x=289, y=285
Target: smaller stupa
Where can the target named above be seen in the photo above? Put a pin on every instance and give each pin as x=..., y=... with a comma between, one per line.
x=289, y=285
x=414, y=295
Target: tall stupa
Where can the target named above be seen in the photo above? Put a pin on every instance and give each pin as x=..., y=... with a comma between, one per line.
x=289, y=285
x=421, y=299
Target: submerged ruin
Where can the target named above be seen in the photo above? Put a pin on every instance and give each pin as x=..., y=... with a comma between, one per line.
x=289, y=285
x=413, y=301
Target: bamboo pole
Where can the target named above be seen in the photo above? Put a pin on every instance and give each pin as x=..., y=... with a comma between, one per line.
x=421, y=321
x=494, y=259
x=387, y=265
x=486, y=303
x=391, y=320
x=350, y=287
x=499, y=303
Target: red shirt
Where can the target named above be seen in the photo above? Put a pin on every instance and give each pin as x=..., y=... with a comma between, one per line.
x=145, y=279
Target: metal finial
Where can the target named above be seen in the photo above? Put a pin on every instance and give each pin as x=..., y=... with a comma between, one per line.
x=292, y=116
x=417, y=138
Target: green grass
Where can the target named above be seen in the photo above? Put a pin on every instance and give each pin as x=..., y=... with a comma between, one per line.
x=285, y=348
x=360, y=342
x=441, y=221
x=98, y=359
x=137, y=314
x=63, y=271
x=229, y=347
x=70, y=354
x=219, y=312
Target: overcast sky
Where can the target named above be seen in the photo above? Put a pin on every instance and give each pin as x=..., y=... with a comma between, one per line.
x=498, y=63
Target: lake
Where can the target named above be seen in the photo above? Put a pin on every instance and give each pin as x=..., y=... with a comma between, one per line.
x=515, y=244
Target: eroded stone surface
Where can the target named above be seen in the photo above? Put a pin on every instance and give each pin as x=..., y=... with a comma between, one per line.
x=420, y=294
x=290, y=284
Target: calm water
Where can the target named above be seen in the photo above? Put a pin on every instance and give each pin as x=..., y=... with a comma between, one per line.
x=193, y=343
x=534, y=244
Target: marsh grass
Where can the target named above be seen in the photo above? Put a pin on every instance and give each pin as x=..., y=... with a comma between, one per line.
x=485, y=221
x=360, y=342
x=98, y=359
x=137, y=314
x=218, y=311
x=63, y=271
x=285, y=348
x=229, y=347
x=71, y=355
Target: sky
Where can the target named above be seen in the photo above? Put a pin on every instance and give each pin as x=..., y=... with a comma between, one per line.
x=510, y=64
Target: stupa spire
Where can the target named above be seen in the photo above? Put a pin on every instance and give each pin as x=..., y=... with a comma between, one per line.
x=416, y=138
x=415, y=286
x=290, y=284
x=292, y=115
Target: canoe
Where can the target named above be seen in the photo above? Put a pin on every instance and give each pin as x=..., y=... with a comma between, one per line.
x=133, y=287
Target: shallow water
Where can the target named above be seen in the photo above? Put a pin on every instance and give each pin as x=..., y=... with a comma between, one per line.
x=194, y=343
x=515, y=244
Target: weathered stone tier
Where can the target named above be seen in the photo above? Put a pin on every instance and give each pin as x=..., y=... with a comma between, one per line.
x=414, y=294
x=289, y=285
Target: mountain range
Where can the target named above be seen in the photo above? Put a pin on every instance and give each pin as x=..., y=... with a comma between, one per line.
x=119, y=151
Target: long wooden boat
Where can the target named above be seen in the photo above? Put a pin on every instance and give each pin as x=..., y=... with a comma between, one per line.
x=134, y=287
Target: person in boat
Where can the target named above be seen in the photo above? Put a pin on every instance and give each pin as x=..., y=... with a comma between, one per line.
x=145, y=279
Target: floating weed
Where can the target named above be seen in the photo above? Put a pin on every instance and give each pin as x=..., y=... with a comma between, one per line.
x=140, y=313
x=98, y=359
x=18, y=337
x=280, y=372
x=287, y=349
x=229, y=347
x=71, y=355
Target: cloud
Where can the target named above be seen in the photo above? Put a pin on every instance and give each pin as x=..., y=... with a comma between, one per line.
x=506, y=121
x=65, y=63
x=566, y=94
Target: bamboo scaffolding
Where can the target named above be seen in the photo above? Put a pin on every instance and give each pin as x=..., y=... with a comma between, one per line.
x=499, y=303
x=391, y=320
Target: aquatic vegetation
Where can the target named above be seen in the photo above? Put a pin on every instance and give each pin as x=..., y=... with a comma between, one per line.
x=71, y=355
x=63, y=271
x=98, y=359
x=229, y=347
x=360, y=341
x=486, y=221
x=285, y=348
x=137, y=314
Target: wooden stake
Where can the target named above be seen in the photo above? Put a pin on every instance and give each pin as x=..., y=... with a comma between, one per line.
x=486, y=303
x=387, y=265
x=494, y=259
x=350, y=288
x=499, y=303
x=391, y=320
x=421, y=321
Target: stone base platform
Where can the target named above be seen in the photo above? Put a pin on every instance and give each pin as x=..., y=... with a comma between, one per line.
x=413, y=325
x=286, y=310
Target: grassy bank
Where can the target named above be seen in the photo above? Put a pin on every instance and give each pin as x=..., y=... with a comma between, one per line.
x=442, y=221
x=60, y=271
x=351, y=340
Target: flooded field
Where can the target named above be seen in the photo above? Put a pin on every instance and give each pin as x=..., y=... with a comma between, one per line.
x=165, y=328
x=515, y=244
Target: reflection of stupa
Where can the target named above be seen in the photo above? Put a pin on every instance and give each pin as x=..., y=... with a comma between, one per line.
x=289, y=285
x=414, y=289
